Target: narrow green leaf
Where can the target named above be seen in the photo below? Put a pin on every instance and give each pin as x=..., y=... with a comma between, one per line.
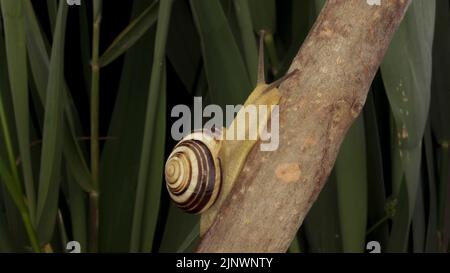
x=156, y=170
x=143, y=181
x=375, y=172
x=295, y=246
x=14, y=190
x=121, y=155
x=183, y=45
x=180, y=232
x=440, y=115
x=14, y=24
x=322, y=227
x=62, y=238
x=302, y=17
x=398, y=237
x=431, y=237
x=19, y=237
x=12, y=185
x=75, y=159
x=263, y=14
x=418, y=221
x=440, y=94
x=248, y=38
x=78, y=211
x=443, y=210
x=319, y=5
x=11, y=177
x=190, y=239
x=85, y=43
x=5, y=237
x=132, y=33
x=405, y=167
x=52, y=8
x=53, y=126
x=351, y=176
x=201, y=88
x=406, y=72
x=225, y=69
x=12, y=215
x=39, y=62
x=6, y=136
x=38, y=48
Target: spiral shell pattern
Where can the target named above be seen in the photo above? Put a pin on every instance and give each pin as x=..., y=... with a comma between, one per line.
x=193, y=173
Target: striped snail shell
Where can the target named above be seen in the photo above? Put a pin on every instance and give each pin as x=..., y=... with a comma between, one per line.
x=193, y=172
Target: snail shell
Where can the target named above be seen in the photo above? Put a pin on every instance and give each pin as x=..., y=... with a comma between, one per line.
x=193, y=172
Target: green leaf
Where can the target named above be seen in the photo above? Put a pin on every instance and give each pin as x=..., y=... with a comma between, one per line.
x=295, y=246
x=85, y=43
x=398, y=237
x=248, y=38
x=52, y=133
x=77, y=201
x=183, y=45
x=156, y=170
x=440, y=91
x=351, y=177
x=322, y=227
x=15, y=38
x=52, y=7
x=440, y=114
x=14, y=190
x=12, y=185
x=225, y=69
x=5, y=237
x=406, y=72
x=443, y=210
x=13, y=219
x=191, y=238
x=180, y=232
x=375, y=172
x=19, y=239
x=6, y=136
x=406, y=172
x=300, y=17
x=39, y=62
x=319, y=5
x=263, y=14
x=431, y=236
x=418, y=221
x=131, y=34
x=145, y=178
x=121, y=155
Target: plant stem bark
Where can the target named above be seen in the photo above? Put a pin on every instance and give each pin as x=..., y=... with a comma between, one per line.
x=336, y=64
x=95, y=147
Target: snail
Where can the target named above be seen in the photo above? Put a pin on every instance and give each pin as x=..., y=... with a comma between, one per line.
x=202, y=168
x=193, y=172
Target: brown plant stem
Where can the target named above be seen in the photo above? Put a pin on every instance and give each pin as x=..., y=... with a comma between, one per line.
x=336, y=64
x=95, y=146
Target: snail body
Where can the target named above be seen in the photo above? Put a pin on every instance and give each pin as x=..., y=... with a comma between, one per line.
x=201, y=165
x=233, y=153
x=201, y=170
